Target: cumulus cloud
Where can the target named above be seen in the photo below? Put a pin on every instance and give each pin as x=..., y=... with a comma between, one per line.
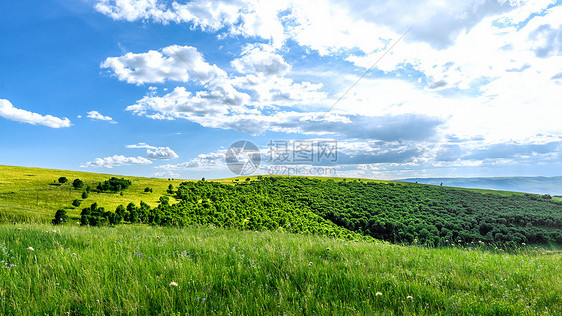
x=95, y=115
x=8, y=111
x=203, y=162
x=246, y=18
x=152, y=152
x=470, y=75
x=162, y=153
x=166, y=175
x=173, y=63
x=116, y=160
x=261, y=59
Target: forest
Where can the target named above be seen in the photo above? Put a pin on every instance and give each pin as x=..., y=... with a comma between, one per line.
x=399, y=213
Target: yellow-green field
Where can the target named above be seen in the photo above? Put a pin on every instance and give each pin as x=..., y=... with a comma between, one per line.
x=34, y=194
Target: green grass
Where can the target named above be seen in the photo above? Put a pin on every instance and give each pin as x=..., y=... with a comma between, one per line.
x=32, y=195
x=128, y=270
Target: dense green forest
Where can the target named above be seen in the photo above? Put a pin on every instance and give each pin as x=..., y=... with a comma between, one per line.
x=401, y=213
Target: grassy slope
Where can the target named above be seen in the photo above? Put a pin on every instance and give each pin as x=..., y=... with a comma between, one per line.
x=29, y=194
x=128, y=269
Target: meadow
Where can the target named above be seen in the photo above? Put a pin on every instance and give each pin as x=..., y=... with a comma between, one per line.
x=238, y=264
x=34, y=194
x=135, y=270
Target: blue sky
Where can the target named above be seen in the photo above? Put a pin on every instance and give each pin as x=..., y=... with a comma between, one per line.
x=160, y=88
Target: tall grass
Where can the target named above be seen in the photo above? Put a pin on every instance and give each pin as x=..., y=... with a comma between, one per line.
x=128, y=270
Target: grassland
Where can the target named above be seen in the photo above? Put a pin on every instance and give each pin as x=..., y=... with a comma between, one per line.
x=129, y=269
x=34, y=195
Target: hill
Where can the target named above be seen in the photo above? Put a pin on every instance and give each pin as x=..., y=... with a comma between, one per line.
x=347, y=209
x=271, y=245
x=34, y=194
x=538, y=185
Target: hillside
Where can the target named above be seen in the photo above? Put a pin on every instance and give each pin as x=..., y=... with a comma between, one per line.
x=344, y=208
x=265, y=245
x=34, y=194
x=538, y=185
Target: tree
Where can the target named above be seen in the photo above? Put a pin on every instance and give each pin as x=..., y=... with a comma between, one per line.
x=60, y=217
x=63, y=180
x=78, y=184
x=114, y=185
x=76, y=203
x=170, y=189
x=164, y=200
x=85, y=195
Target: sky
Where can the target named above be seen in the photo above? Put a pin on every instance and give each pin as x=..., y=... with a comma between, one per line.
x=384, y=89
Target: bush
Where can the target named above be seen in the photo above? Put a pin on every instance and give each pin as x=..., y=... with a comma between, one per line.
x=76, y=203
x=63, y=180
x=85, y=195
x=148, y=190
x=60, y=217
x=114, y=185
x=78, y=184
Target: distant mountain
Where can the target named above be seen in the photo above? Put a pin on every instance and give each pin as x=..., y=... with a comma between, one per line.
x=539, y=185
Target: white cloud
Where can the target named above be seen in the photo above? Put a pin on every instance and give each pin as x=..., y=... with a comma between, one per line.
x=247, y=18
x=489, y=70
x=141, y=145
x=95, y=115
x=203, y=162
x=153, y=152
x=162, y=153
x=182, y=103
x=8, y=111
x=166, y=175
x=116, y=160
x=173, y=63
x=261, y=59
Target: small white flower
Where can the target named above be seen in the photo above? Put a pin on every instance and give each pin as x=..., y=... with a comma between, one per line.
x=310, y=264
x=173, y=284
x=30, y=249
x=410, y=297
x=54, y=230
x=378, y=294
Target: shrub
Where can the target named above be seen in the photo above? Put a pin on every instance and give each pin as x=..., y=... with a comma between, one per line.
x=63, y=180
x=114, y=185
x=148, y=190
x=85, y=195
x=76, y=203
x=60, y=217
x=78, y=184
